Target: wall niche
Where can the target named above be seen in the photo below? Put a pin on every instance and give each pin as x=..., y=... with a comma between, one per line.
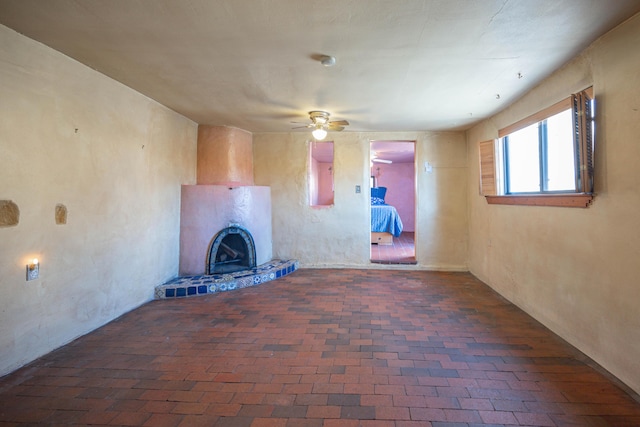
x=9, y=213
x=61, y=214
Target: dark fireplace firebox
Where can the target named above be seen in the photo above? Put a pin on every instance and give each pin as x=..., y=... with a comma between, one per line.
x=231, y=250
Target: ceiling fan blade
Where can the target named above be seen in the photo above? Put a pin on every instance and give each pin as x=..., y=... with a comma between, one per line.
x=320, y=119
x=388, y=162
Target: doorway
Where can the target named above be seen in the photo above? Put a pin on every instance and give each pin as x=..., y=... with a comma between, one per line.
x=393, y=202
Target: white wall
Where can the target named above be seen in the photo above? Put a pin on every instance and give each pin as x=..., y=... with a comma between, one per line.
x=340, y=235
x=575, y=270
x=116, y=159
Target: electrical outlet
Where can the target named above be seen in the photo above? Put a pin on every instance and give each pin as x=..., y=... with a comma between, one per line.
x=358, y=189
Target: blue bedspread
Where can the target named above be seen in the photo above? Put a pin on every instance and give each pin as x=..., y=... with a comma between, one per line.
x=385, y=219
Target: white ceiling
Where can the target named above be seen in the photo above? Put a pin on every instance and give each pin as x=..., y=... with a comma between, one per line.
x=404, y=65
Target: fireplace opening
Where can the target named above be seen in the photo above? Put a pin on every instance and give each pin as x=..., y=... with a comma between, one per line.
x=231, y=250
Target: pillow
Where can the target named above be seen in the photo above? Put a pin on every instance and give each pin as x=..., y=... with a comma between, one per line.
x=377, y=201
x=379, y=192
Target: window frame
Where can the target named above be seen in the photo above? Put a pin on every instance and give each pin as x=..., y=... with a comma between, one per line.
x=493, y=159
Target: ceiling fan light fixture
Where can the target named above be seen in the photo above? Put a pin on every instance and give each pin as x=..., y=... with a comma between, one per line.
x=321, y=125
x=319, y=133
x=319, y=117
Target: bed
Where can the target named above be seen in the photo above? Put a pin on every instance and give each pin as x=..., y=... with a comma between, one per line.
x=385, y=221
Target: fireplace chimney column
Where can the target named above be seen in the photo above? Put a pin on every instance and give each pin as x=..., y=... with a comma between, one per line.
x=225, y=156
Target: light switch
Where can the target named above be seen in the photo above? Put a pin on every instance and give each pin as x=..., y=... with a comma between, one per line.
x=358, y=189
x=428, y=167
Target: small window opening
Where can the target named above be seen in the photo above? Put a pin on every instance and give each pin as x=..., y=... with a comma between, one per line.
x=321, y=183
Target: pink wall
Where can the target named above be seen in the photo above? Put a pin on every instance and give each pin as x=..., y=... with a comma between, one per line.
x=321, y=190
x=207, y=209
x=399, y=178
x=313, y=181
x=325, y=184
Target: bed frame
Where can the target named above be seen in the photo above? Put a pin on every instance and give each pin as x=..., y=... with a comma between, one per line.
x=382, y=238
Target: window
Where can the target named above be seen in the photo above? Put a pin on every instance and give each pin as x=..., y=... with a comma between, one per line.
x=545, y=159
x=541, y=157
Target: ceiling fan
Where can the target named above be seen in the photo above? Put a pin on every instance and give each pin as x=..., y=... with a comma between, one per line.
x=321, y=124
x=375, y=159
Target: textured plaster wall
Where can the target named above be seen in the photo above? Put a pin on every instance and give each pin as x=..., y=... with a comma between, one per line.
x=340, y=235
x=575, y=270
x=115, y=159
x=399, y=178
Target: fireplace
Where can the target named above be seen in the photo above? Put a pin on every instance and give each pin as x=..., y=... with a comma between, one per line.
x=226, y=204
x=232, y=249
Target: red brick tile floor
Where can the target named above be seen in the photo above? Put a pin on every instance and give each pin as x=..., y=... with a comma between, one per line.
x=322, y=347
x=402, y=251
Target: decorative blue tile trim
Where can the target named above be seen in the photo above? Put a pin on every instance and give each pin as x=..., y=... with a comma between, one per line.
x=187, y=286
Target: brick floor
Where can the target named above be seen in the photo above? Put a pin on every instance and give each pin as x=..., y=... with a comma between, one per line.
x=402, y=251
x=321, y=348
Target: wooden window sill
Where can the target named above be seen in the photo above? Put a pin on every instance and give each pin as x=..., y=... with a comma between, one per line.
x=573, y=200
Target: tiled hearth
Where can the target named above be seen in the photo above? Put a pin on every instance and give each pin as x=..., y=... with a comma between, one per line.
x=189, y=286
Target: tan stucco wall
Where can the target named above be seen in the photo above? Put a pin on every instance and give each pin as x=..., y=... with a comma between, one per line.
x=116, y=160
x=339, y=235
x=575, y=270
x=225, y=156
